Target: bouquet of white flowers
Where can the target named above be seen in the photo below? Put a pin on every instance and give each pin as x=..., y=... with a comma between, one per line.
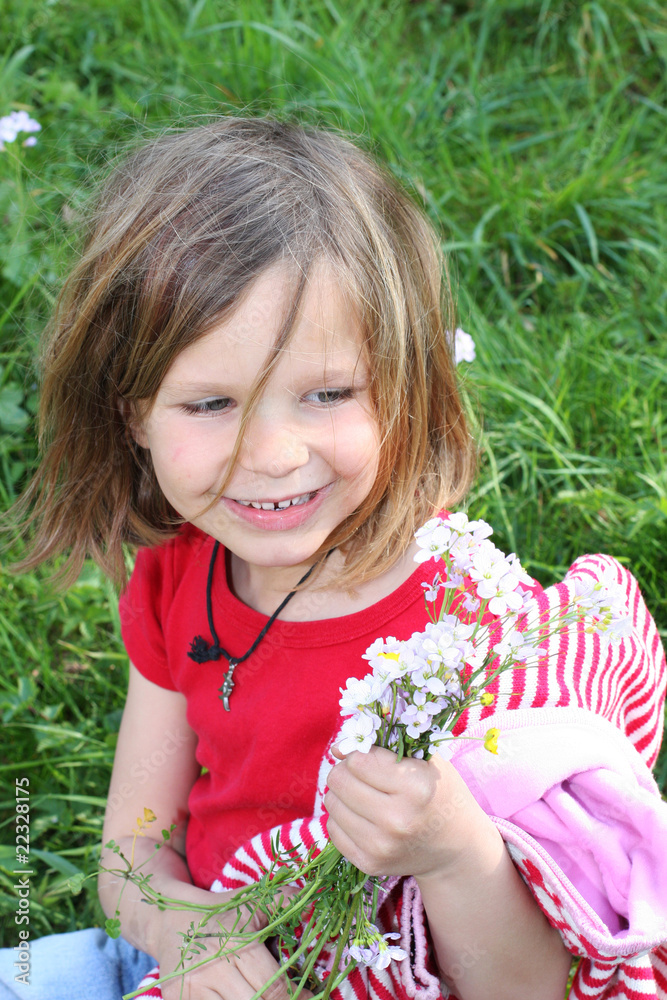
x=483, y=621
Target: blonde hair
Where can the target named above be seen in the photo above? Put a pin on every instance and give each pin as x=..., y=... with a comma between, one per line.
x=180, y=231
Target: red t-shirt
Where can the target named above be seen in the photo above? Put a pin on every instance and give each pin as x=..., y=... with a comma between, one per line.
x=262, y=757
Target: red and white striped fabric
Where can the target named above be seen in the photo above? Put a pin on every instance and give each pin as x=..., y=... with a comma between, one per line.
x=616, y=692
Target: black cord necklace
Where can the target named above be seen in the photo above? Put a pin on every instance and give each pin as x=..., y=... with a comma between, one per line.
x=202, y=652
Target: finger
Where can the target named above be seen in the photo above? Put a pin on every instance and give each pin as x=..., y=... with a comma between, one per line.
x=350, y=849
x=359, y=827
x=258, y=966
x=218, y=979
x=338, y=754
x=379, y=770
x=355, y=794
x=382, y=770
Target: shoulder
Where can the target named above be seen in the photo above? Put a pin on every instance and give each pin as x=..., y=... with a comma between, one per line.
x=171, y=559
x=164, y=585
x=162, y=570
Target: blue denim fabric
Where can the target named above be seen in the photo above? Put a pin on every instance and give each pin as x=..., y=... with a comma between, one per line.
x=83, y=965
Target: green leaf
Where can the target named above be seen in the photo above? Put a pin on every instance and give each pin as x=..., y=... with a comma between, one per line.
x=60, y=864
x=112, y=927
x=75, y=883
x=12, y=415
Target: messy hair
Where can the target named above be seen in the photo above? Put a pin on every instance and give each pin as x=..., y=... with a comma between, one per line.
x=180, y=231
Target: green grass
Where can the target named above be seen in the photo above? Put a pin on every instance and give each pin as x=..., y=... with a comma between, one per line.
x=532, y=133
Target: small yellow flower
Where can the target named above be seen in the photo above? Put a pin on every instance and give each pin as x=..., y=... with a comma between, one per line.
x=149, y=817
x=487, y=699
x=491, y=740
x=389, y=656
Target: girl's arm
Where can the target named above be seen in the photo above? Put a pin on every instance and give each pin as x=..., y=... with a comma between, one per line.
x=415, y=818
x=155, y=768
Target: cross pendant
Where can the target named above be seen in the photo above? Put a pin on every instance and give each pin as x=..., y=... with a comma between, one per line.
x=228, y=684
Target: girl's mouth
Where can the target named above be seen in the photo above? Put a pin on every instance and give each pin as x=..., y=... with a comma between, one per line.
x=279, y=515
x=279, y=504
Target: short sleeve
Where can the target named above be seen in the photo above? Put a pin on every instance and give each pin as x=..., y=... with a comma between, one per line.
x=141, y=607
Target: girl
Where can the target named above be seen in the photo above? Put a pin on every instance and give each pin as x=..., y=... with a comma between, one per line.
x=249, y=376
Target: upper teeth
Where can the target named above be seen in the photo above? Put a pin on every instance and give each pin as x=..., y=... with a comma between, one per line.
x=281, y=505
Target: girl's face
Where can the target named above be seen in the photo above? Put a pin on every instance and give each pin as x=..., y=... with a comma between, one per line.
x=309, y=455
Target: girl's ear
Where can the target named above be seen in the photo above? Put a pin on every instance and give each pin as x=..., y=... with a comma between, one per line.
x=132, y=421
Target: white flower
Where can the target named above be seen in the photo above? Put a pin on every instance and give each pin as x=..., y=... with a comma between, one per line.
x=393, y=739
x=415, y=720
x=439, y=735
x=431, y=707
x=503, y=594
x=488, y=562
x=392, y=702
x=15, y=122
x=603, y=596
x=515, y=646
x=617, y=629
x=610, y=628
x=358, y=733
x=519, y=571
x=361, y=954
x=431, y=589
x=435, y=686
x=389, y=645
x=451, y=625
x=386, y=657
x=478, y=654
x=471, y=603
x=458, y=521
x=464, y=347
x=433, y=540
x=388, y=952
x=359, y=694
x=467, y=544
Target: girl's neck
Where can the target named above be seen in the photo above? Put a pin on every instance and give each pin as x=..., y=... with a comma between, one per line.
x=263, y=588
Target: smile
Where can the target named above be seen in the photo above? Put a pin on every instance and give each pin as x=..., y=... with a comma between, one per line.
x=278, y=504
x=280, y=515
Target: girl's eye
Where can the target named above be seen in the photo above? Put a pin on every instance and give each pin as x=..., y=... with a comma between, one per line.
x=328, y=396
x=208, y=405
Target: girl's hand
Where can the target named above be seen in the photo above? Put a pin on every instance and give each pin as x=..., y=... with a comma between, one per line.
x=408, y=817
x=238, y=977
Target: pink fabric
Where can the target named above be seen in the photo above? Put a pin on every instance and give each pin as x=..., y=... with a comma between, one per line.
x=573, y=782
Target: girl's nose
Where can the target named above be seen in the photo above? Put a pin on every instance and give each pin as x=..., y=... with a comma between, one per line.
x=272, y=448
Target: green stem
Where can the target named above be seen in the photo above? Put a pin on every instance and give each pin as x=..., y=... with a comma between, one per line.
x=342, y=941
